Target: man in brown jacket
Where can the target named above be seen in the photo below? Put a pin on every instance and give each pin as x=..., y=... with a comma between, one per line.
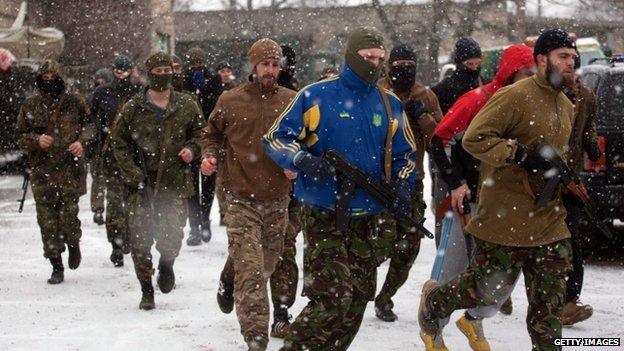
x=512, y=234
x=256, y=188
x=423, y=112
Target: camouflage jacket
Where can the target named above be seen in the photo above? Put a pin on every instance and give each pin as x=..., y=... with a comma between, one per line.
x=138, y=128
x=55, y=169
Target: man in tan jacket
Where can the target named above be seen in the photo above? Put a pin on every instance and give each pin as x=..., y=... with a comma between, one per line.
x=423, y=112
x=256, y=188
x=512, y=234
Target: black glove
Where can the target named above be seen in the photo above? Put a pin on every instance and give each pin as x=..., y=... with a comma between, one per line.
x=402, y=205
x=535, y=160
x=314, y=166
x=414, y=109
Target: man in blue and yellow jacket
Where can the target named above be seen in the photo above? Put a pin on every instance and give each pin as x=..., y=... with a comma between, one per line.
x=347, y=114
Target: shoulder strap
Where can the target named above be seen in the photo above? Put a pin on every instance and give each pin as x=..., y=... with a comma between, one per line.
x=164, y=141
x=388, y=146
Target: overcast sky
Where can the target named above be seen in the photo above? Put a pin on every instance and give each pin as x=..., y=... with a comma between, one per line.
x=551, y=8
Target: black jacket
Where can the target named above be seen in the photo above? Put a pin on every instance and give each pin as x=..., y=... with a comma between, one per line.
x=451, y=88
x=208, y=94
x=106, y=103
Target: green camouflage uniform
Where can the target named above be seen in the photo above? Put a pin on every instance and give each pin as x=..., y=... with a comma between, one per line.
x=406, y=248
x=160, y=141
x=58, y=178
x=340, y=273
x=544, y=268
x=286, y=276
x=255, y=241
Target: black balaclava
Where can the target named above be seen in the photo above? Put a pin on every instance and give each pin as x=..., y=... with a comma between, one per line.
x=364, y=38
x=55, y=87
x=158, y=82
x=402, y=77
x=465, y=49
x=122, y=63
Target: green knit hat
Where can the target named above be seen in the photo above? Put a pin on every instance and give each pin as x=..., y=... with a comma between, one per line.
x=364, y=38
x=158, y=59
x=195, y=56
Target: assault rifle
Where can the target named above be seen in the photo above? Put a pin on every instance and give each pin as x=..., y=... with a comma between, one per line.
x=351, y=177
x=147, y=189
x=563, y=174
x=24, y=189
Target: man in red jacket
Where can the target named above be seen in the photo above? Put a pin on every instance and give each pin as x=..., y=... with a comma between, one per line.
x=461, y=173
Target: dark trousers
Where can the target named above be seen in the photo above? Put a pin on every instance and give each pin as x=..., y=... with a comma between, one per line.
x=574, y=285
x=200, y=204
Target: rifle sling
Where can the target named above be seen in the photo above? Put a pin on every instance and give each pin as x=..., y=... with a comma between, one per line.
x=388, y=146
x=164, y=141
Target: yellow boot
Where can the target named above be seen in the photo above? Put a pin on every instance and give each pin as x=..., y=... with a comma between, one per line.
x=433, y=343
x=474, y=332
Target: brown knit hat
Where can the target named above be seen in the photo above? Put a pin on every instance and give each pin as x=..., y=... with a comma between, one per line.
x=263, y=49
x=156, y=60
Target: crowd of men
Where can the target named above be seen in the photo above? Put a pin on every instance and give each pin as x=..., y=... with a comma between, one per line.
x=159, y=152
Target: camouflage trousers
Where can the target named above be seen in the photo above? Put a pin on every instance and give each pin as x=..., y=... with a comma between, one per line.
x=116, y=209
x=255, y=241
x=166, y=228
x=286, y=276
x=340, y=271
x=58, y=221
x=98, y=185
x=493, y=271
x=404, y=253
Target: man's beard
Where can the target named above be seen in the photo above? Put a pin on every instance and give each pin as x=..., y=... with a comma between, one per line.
x=558, y=79
x=268, y=80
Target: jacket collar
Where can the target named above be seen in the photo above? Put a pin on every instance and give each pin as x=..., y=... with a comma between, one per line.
x=173, y=106
x=256, y=88
x=352, y=81
x=543, y=83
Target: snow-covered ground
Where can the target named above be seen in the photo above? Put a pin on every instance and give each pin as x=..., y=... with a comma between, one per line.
x=96, y=308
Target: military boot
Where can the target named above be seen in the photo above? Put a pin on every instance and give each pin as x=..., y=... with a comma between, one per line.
x=58, y=275
x=117, y=255
x=574, y=312
x=473, y=329
x=147, y=300
x=194, y=239
x=385, y=313
x=206, y=233
x=281, y=322
x=507, y=307
x=98, y=217
x=166, y=277
x=433, y=342
x=256, y=342
x=74, y=256
x=225, y=295
x=429, y=324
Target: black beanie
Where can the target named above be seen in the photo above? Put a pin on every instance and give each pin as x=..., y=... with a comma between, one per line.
x=223, y=64
x=122, y=62
x=552, y=39
x=290, y=57
x=465, y=49
x=402, y=52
